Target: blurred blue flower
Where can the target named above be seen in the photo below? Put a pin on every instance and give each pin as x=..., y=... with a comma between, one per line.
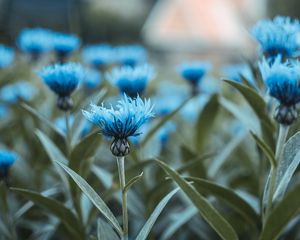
x=62, y=79
x=165, y=131
x=131, y=80
x=130, y=55
x=98, y=55
x=35, y=41
x=92, y=79
x=15, y=92
x=64, y=44
x=124, y=121
x=7, y=56
x=7, y=159
x=193, y=72
x=4, y=111
x=282, y=80
x=279, y=36
x=60, y=123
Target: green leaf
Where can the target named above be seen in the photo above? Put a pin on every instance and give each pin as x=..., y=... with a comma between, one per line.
x=105, y=232
x=281, y=215
x=162, y=121
x=85, y=148
x=56, y=208
x=229, y=196
x=54, y=153
x=143, y=234
x=132, y=181
x=205, y=122
x=287, y=166
x=206, y=210
x=265, y=149
x=41, y=118
x=93, y=196
x=225, y=153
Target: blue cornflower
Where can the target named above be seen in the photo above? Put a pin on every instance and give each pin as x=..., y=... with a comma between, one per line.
x=279, y=36
x=122, y=122
x=130, y=55
x=92, y=79
x=193, y=72
x=98, y=55
x=7, y=56
x=63, y=79
x=131, y=80
x=64, y=44
x=15, y=92
x=35, y=41
x=7, y=159
x=282, y=80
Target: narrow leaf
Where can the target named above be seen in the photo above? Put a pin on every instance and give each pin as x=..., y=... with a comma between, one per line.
x=105, y=232
x=56, y=208
x=205, y=122
x=132, y=181
x=155, y=214
x=93, y=196
x=206, y=210
x=281, y=215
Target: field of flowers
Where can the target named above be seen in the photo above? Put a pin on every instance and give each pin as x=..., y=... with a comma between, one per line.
x=95, y=144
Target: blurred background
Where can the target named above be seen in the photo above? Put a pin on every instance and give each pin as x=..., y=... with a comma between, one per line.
x=214, y=29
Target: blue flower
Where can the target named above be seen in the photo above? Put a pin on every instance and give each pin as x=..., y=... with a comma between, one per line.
x=4, y=111
x=35, y=41
x=7, y=56
x=194, y=71
x=65, y=44
x=123, y=121
x=92, y=79
x=165, y=131
x=62, y=79
x=98, y=55
x=282, y=80
x=279, y=36
x=15, y=92
x=130, y=55
x=7, y=159
x=235, y=71
x=131, y=80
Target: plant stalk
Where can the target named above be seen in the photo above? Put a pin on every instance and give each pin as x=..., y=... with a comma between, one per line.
x=282, y=135
x=68, y=133
x=121, y=170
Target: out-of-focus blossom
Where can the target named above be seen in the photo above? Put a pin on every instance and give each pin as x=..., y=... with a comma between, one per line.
x=130, y=55
x=7, y=159
x=15, y=92
x=7, y=56
x=91, y=79
x=4, y=111
x=193, y=72
x=131, y=80
x=98, y=55
x=235, y=71
x=279, y=36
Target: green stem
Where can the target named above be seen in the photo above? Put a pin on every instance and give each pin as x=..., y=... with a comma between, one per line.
x=68, y=133
x=121, y=170
x=283, y=132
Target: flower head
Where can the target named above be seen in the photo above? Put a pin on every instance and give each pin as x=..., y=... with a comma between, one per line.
x=22, y=90
x=279, y=36
x=131, y=80
x=35, y=41
x=62, y=79
x=98, y=55
x=7, y=159
x=4, y=111
x=194, y=71
x=130, y=55
x=92, y=79
x=123, y=121
x=283, y=83
x=7, y=56
x=65, y=43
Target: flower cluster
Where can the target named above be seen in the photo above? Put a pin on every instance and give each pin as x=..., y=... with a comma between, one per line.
x=130, y=55
x=122, y=122
x=98, y=55
x=7, y=159
x=282, y=80
x=7, y=56
x=279, y=36
x=63, y=79
x=131, y=80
